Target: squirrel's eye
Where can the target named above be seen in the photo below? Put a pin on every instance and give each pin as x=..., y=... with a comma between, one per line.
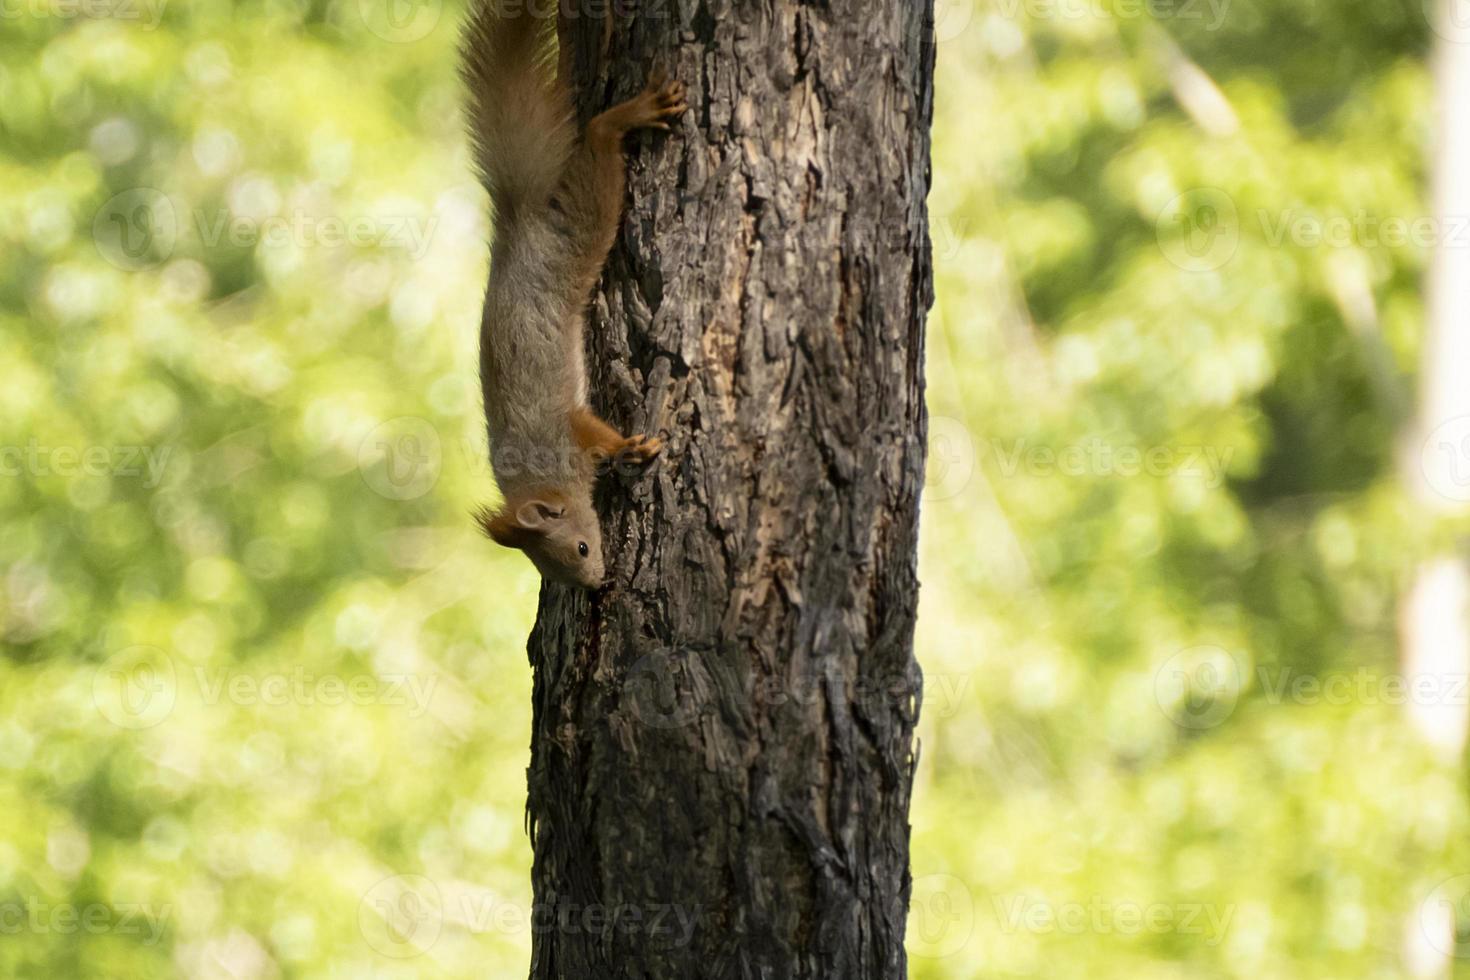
x=582, y=548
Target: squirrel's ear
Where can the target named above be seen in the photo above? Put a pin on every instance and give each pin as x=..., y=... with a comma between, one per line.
x=534, y=515
x=502, y=528
x=517, y=523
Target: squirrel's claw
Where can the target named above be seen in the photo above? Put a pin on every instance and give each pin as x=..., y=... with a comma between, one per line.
x=664, y=99
x=634, y=451
x=640, y=449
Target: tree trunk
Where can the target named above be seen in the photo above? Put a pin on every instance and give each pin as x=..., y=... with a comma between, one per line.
x=722, y=753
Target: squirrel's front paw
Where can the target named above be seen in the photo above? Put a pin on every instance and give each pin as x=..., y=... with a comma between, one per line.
x=638, y=450
x=661, y=100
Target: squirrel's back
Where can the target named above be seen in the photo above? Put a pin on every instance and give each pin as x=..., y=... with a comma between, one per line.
x=520, y=112
x=523, y=134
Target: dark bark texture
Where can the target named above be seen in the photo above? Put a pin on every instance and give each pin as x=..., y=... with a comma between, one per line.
x=723, y=750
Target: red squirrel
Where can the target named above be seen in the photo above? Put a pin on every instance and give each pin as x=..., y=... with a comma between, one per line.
x=556, y=197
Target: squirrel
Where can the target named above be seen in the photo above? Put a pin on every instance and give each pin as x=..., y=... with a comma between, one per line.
x=556, y=197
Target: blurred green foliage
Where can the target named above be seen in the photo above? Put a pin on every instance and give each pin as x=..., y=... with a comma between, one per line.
x=1124, y=208
x=257, y=665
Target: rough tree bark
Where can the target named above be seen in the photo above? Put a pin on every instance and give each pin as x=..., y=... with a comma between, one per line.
x=723, y=752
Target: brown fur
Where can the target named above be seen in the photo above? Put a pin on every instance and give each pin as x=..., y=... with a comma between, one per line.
x=557, y=199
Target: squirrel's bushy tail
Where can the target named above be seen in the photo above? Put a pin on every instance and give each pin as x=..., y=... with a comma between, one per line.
x=520, y=113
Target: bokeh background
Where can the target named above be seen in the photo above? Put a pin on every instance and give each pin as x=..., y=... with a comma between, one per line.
x=264, y=699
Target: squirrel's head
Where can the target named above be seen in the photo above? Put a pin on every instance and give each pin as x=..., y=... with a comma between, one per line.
x=561, y=536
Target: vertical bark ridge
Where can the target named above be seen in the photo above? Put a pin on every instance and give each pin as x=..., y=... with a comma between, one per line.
x=727, y=733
